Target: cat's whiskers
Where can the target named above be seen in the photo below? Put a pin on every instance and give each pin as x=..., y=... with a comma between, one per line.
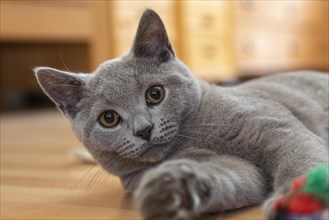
x=92, y=180
x=212, y=117
x=206, y=124
x=110, y=182
x=100, y=180
x=83, y=177
x=195, y=129
x=216, y=124
x=62, y=60
x=216, y=138
x=178, y=142
x=201, y=133
x=66, y=86
x=94, y=177
x=125, y=150
x=207, y=127
x=102, y=154
x=193, y=138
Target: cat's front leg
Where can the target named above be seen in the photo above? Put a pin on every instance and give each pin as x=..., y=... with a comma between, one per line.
x=185, y=189
x=295, y=156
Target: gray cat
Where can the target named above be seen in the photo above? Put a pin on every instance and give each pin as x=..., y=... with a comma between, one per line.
x=186, y=147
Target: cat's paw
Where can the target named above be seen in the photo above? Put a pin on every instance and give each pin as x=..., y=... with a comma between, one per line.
x=176, y=190
x=269, y=207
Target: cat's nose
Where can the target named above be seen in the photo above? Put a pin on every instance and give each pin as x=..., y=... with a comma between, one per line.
x=142, y=127
x=145, y=132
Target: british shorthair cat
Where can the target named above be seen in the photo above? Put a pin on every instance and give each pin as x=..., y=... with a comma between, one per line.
x=183, y=146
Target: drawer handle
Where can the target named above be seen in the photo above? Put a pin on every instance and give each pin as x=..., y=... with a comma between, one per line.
x=209, y=52
x=293, y=48
x=290, y=8
x=248, y=46
x=207, y=21
x=248, y=4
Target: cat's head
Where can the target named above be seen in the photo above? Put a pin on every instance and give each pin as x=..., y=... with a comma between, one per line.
x=132, y=107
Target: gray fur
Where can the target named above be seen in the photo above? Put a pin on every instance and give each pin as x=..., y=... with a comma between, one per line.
x=211, y=148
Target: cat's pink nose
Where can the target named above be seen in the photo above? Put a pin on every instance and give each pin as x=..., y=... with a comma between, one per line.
x=145, y=133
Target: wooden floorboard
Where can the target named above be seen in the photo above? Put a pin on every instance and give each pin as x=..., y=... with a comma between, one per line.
x=42, y=179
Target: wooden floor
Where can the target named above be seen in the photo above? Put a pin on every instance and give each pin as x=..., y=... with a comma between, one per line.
x=41, y=179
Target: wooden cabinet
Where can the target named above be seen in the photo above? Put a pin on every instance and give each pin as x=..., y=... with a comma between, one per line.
x=281, y=35
x=116, y=24
x=45, y=21
x=205, y=39
x=218, y=40
x=125, y=21
x=35, y=33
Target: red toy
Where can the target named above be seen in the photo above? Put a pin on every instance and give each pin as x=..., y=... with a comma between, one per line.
x=308, y=198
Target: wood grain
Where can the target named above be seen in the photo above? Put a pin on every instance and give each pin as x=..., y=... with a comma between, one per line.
x=41, y=179
x=45, y=21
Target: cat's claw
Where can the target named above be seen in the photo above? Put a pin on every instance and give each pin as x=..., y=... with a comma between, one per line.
x=268, y=208
x=173, y=191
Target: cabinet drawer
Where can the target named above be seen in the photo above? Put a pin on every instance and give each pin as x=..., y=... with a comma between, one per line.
x=261, y=52
x=304, y=47
x=217, y=9
x=273, y=9
x=124, y=43
x=258, y=45
x=206, y=17
x=315, y=10
x=127, y=22
x=206, y=51
x=290, y=11
x=206, y=26
x=30, y=20
x=269, y=25
x=211, y=58
x=161, y=7
x=249, y=8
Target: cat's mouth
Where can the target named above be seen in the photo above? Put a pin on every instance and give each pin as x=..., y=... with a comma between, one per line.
x=152, y=151
x=158, y=147
x=165, y=138
x=141, y=151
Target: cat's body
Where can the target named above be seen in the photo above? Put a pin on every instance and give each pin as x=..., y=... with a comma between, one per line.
x=194, y=147
x=258, y=109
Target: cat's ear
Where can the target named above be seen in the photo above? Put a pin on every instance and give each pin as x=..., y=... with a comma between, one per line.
x=63, y=88
x=151, y=39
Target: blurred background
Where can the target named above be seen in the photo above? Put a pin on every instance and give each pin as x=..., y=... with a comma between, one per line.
x=221, y=41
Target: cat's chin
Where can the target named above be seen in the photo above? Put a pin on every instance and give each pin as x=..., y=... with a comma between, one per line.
x=160, y=148
x=154, y=151
x=154, y=154
x=145, y=151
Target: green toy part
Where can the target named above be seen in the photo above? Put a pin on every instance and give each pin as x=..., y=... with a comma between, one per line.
x=317, y=183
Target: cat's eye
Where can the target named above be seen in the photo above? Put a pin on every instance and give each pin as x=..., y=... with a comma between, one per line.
x=154, y=95
x=109, y=119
